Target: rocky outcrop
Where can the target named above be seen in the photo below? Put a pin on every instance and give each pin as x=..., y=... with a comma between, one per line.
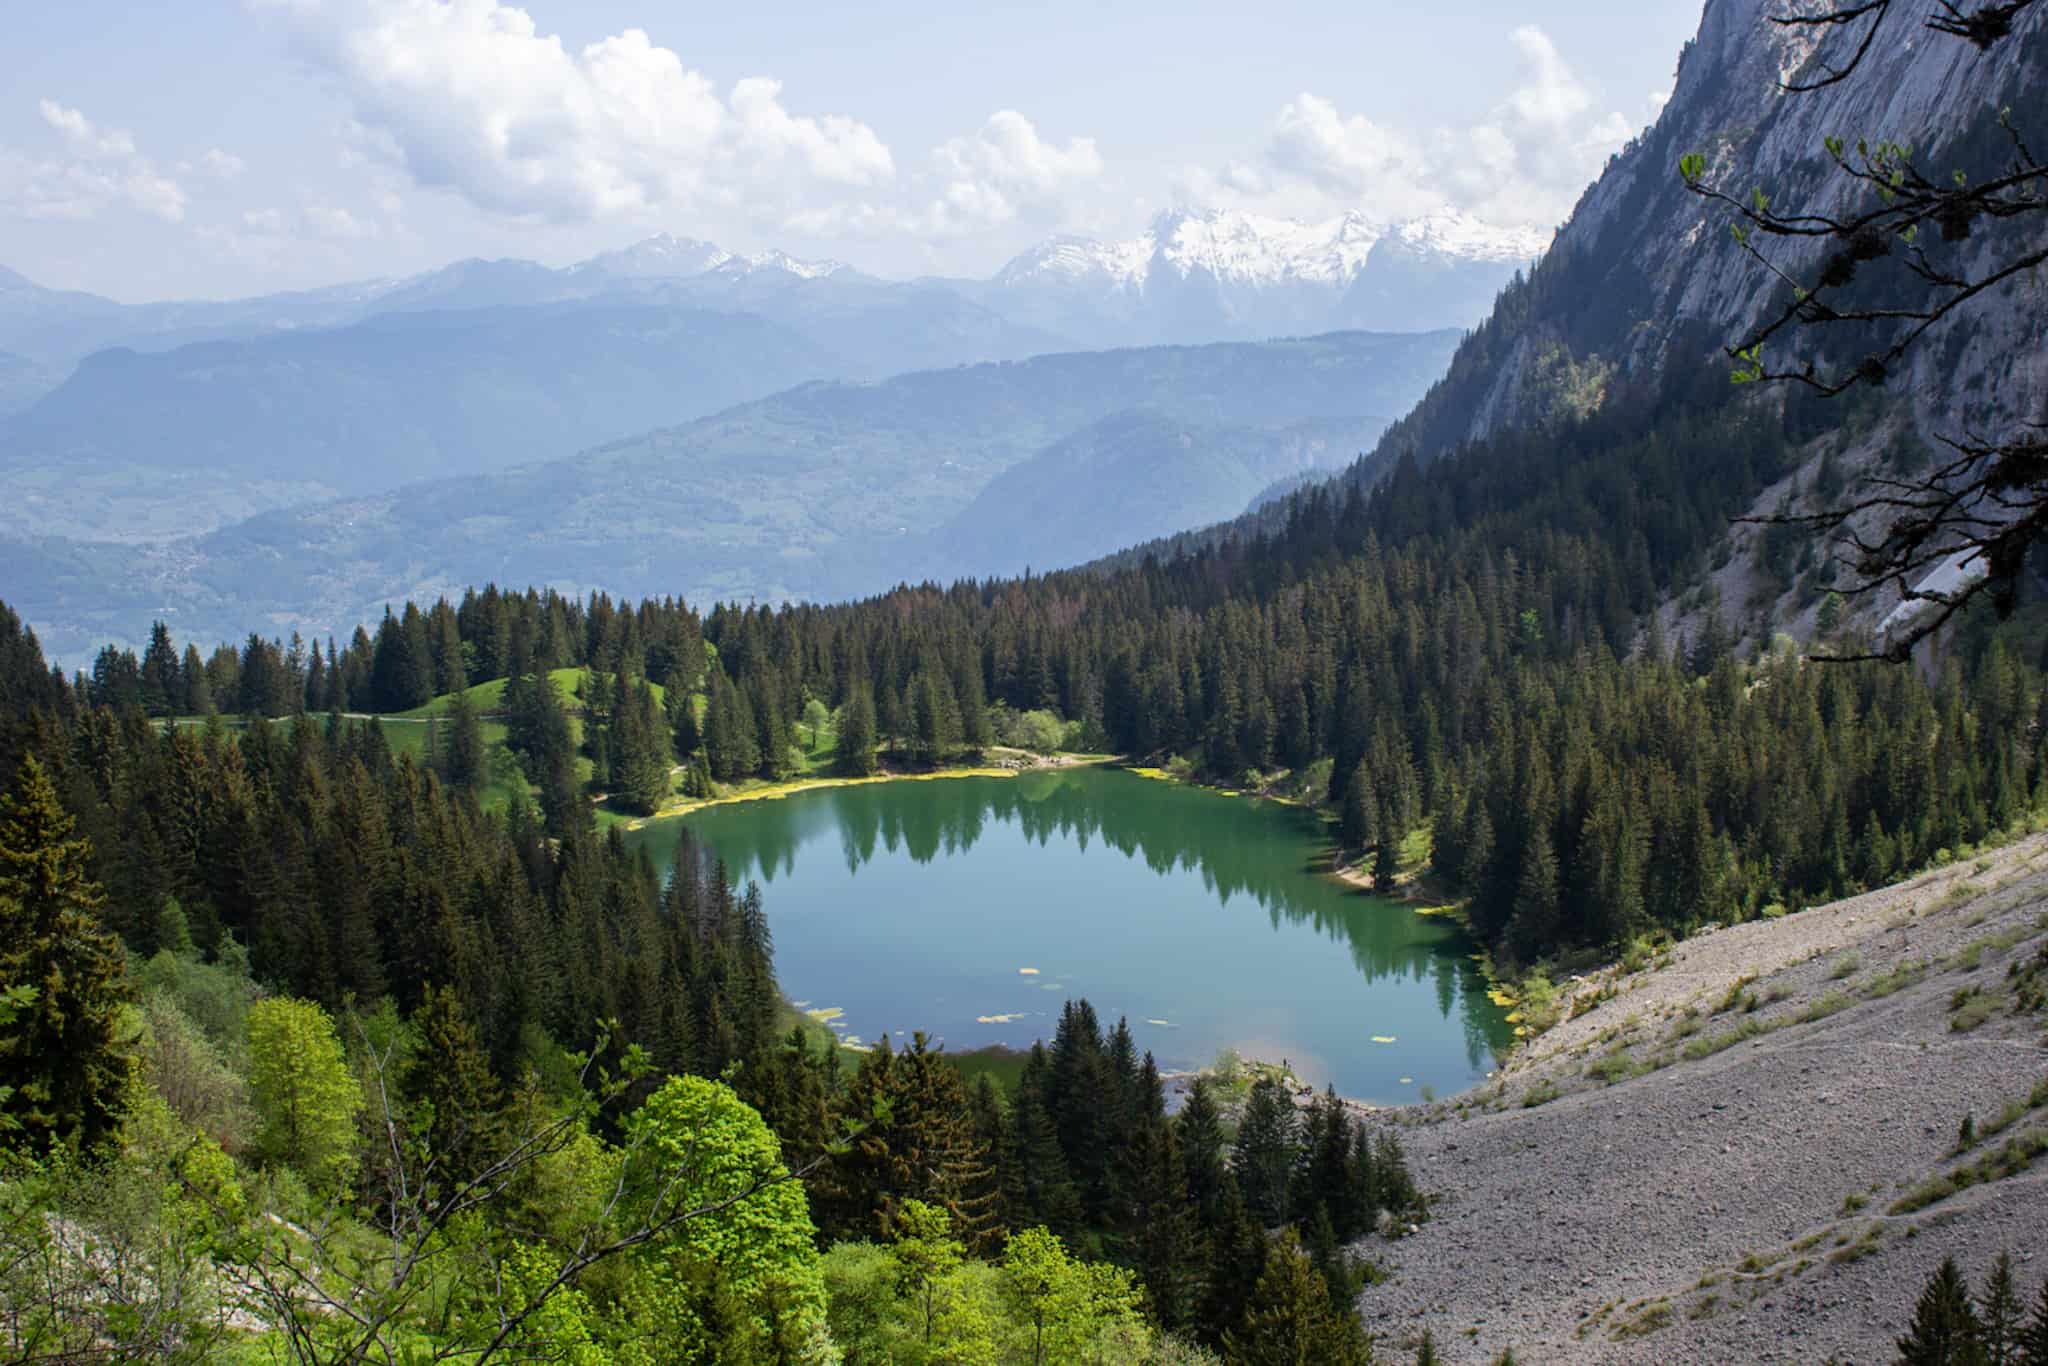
x=1645, y=275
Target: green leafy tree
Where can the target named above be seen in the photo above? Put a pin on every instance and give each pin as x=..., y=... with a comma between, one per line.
x=694, y=1146
x=306, y=1097
x=64, y=1059
x=816, y=717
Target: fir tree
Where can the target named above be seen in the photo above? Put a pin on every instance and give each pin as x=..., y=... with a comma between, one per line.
x=63, y=1062
x=2000, y=1312
x=1291, y=1320
x=1945, y=1330
x=1263, y=1159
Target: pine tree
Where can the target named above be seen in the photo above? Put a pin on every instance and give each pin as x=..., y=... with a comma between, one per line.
x=63, y=1062
x=855, y=754
x=463, y=757
x=2032, y=1340
x=1291, y=1321
x=1263, y=1159
x=163, y=690
x=1237, y=1261
x=2001, y=1313
x=1944, y=1331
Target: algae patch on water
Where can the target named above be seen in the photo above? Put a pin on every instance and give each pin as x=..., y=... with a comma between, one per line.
x=1383, y=1038
x=1011, y=1018
x=825, y=1015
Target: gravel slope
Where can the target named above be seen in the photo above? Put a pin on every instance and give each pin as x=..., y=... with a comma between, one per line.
x=1731, y=1205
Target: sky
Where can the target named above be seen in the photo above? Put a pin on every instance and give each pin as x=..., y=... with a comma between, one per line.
x=224, y=148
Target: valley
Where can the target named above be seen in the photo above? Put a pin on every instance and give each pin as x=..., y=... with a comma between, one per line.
x=1312, y=770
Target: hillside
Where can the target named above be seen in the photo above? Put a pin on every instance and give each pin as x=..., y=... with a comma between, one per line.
x=361, y=409
x=822, y=491
x=1748, y=1149
x=1133, y=476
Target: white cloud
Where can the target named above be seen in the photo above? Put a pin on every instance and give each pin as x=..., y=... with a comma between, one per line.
x=103, y=168
x=87, y=139
x=1523, y=163
x=222, y=165
x=468, y=96
x=332, y=221
x=1005, y=170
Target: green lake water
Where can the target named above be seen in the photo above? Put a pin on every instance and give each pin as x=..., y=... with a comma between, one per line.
x=971, y=908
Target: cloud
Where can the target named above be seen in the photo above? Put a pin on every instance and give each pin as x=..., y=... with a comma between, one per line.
x=469, y=97
x=85, y=138
x=103, y=168
x=222, y=165
x=1524, y=162
x=1005, y=170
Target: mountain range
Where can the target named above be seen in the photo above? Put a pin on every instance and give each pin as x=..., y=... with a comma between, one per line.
x=822, y=491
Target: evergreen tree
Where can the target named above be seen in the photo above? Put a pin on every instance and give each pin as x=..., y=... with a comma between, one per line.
x=163, y=688
x=1944, y=1331
x=1291, y=1321
x=2032, y=1340
x=64, y=1061
x=855, y=754
x=2000, y=1312
x=1263, y=1159
x=464, y=760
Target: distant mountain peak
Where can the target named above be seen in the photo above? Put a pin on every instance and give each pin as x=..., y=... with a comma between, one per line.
x=781, y=261
x=1238, y=247
x=663, y=255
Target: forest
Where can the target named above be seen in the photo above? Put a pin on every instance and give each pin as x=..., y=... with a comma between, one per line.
x=324, y=1058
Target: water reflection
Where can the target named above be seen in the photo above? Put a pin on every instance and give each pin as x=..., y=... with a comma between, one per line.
x=1237, y=852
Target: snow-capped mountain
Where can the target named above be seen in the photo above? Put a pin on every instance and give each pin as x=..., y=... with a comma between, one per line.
x=1226, y=273
x=663, y=256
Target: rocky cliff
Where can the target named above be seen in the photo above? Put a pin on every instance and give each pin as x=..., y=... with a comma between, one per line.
x=1646, y=275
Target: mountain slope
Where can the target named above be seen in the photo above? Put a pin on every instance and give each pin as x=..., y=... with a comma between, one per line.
x=1131, y=476
x=385, y=402
x=826, y=490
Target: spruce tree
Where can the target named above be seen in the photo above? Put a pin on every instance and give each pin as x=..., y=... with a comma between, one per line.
x=2000, y=1312
x=63, y=1061
x=1263, y=1159
x=2032, y=1341
x=1944, y=1331
x=1291, y=1320
x=855, y=753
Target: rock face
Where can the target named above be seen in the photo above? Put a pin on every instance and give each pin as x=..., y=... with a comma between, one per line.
x=1645, y=275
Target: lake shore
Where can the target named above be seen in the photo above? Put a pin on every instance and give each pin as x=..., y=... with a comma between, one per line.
x=1026, y=763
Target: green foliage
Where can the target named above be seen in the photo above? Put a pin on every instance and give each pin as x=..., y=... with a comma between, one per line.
x=306, y=1097
x=695, y=1146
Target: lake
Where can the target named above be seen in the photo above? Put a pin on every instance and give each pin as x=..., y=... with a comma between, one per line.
x=971, y=908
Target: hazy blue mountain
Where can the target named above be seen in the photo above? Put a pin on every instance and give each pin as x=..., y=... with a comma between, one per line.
x=823, y=491
x=1131, y=477
x=218, y=430
x=22, y=382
